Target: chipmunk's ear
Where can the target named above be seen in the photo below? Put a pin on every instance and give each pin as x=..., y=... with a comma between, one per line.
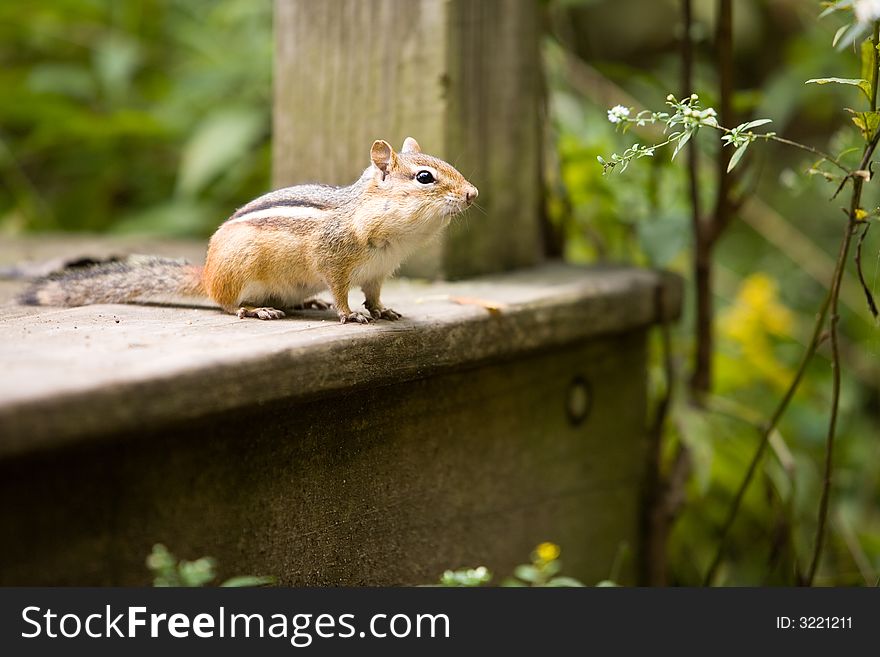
x=383, y=156
x=410, y=145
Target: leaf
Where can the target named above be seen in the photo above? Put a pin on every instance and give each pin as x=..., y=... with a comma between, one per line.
x=867, y=123
x=492, y=307
x=527, y=573
x=737, y=156
x=851, y=35
x=218, y=142
x=63, y=79
x=835, y=6
x=178, y=217
x=247, y=581
x=868, y=61
x=510, y=582
x=607, y=583
x=864, y=85
x=753, y=124
x=681, y=142
x=560, y=582
x=663, y=238
x=116, y=59
x=838, y=34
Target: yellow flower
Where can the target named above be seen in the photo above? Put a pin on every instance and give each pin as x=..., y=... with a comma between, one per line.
x=547, y=552
x=755, y=315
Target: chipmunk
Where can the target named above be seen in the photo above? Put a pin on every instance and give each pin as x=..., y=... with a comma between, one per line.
x=281, y=249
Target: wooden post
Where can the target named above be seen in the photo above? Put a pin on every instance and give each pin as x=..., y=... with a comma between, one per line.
x=462, y=77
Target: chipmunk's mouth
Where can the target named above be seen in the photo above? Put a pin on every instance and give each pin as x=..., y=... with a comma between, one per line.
x=453, y=205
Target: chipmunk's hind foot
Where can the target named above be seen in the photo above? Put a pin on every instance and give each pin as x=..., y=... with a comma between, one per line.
x=385, y=313
x=313, y=304
x=259, y=313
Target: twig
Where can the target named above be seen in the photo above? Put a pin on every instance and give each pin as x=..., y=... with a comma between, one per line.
x=724, y=209
x=769, y=136
x=830, y=303
x=851, y=227
x=765, y=436
x=835, y=391
x=701, y=378
x=869, y=297
x=863, y=563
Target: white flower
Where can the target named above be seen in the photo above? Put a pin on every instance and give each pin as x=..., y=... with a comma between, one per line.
x=618, y=113
x=867, y=10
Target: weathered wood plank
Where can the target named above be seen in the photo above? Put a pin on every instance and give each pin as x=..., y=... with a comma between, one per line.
x=385, y=485
x=462, y=77
x=76, y=373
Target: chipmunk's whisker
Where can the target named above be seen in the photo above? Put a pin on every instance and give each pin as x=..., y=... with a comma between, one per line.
x=480, y=208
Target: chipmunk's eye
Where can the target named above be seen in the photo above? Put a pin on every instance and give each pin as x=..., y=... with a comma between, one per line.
x=425, y=177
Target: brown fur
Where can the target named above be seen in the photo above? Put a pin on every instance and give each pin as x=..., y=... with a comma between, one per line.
x=284, y=247
x=130, y=281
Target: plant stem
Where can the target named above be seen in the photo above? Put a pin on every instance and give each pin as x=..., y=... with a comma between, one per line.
x=869, y=296
x=788, y=142
x=851, y=227
x=830, y=302
x=701, y=378
x=834, y=295
x=724, y=207
x=766, y=431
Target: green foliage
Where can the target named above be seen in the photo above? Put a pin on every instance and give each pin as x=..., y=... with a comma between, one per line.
x=542, y=571
x=681, y=124
x=169, y=571
x=765, y=282
x=135, y=116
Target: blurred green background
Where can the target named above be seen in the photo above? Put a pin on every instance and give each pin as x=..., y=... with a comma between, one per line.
x=154, y=116
x=146, y=116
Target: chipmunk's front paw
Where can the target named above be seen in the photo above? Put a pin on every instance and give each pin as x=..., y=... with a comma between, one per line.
x=260, y=313
x=385, y=313
x=355, y=317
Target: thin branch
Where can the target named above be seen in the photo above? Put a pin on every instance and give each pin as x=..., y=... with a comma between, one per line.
x=724, y=207
x=835, y=391
x=832, y=296
x=869, y=297
x=701, y=378
x=851, y=228
x=766, y=431
x=769, y=136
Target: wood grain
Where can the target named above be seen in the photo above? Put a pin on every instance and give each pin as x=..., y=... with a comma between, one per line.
x=71, y=374
x=462, y=77
x=320, y=453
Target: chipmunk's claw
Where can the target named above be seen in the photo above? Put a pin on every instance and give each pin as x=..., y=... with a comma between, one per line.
x=260, y=313
x=385, y=313
x=355, y=317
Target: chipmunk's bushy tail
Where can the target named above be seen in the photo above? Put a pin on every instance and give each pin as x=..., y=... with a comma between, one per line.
x=136, y=279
